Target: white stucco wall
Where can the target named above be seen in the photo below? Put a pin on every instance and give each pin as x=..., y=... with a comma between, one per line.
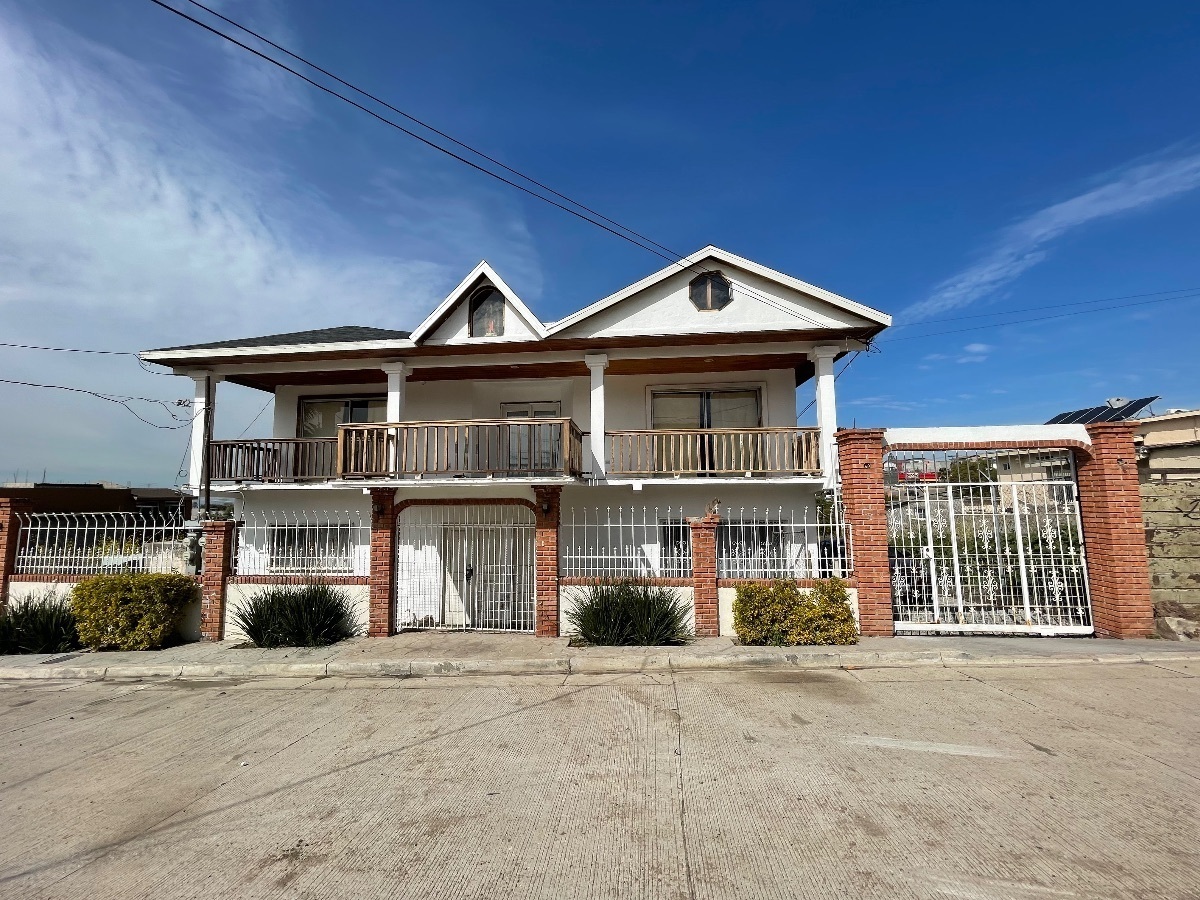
x=650, y=311
x=20, y=591
x=694, y=499
x=237, y=595
x=569, y=595
x=726, y=596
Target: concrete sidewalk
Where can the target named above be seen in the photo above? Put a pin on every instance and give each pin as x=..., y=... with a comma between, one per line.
x=477, y=653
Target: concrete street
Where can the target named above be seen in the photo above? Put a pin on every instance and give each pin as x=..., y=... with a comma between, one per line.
x=1032, y=782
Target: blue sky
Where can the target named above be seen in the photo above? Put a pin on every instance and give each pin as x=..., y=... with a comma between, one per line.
x=935, y=160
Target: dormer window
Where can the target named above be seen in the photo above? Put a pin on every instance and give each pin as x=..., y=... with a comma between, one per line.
x=709, y=291
x=487, y=313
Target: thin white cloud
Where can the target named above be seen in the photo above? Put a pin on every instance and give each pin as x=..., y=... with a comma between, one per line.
x=128, y=223
x=265, y=90
x=1027, y=242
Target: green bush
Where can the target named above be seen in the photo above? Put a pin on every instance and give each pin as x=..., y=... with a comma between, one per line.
x=130, y=611
x=42, y=623
x=629, y=612
x=783, y=614
x=308, y=615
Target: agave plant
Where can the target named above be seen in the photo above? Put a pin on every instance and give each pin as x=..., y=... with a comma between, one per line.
x=630, y=612
x=308, y=615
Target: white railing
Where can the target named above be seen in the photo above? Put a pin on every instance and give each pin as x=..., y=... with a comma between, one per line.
x=304, y=543
x=96, y=543
x=624, y=542
x=774, y=543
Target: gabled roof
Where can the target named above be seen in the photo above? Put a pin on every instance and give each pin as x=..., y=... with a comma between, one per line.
x=482, y=272
x=342, y=334
x=731, y=259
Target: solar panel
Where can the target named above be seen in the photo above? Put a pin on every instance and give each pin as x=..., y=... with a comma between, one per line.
x=1102, y=413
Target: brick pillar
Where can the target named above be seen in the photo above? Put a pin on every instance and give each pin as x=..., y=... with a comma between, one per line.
x=704, y=574
x=860, y=461
x=383, y=562
x=1114, y=533
x=214, y=576
x=547, y=518
x=11, y=511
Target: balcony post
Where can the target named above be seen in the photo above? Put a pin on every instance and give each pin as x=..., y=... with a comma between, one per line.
x=597, y=363
x=823, y=357
x=204, y=407
x=397, y=373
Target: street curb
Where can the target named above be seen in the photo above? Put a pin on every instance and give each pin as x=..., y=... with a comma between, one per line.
x=578, y=665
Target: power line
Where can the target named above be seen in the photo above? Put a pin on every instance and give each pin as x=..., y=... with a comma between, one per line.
x=849, y=363
x=68, y=349
x=599, y=221
x=917, y=337
x=120, y=400
x=1006, y=312
x=255, y=419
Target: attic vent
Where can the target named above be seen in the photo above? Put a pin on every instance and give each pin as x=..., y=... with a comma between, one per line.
x=709, y=291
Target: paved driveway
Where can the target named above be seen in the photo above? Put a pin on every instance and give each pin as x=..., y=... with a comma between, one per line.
x=1026, y=783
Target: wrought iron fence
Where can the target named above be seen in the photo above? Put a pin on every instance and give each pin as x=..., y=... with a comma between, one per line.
x=623, y=542
x=303, y=543
x=763, y=544
x=97, y=543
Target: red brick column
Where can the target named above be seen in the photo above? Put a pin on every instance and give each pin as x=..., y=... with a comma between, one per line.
x=383, y=562
x=547, y=518
x=11, y=511
x=704, y=574
x=1114, y=534
x=214, y=576
x=860, y=460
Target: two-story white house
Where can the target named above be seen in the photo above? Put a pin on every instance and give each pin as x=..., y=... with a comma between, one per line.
x=617, y=428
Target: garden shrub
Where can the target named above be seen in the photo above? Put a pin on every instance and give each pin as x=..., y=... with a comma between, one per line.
x=130, y=611
x=307, y=615
x=42, y=623
x=630, y=612
x=783, y=614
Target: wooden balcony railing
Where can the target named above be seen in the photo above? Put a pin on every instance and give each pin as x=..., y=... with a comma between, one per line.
x=474, y=447
x=313, y=459
x=715, y=451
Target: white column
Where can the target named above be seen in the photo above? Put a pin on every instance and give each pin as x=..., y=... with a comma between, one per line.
x=597, y=363
x=397, y=372
x=204, y=407
x=823, y=357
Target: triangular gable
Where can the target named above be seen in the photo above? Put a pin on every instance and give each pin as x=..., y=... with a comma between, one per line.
x=529, y=326
x=763, y=299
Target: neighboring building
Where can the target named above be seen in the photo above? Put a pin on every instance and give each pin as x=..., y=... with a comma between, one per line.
x=1169, y=470
x=614, y=426
x=50, y=497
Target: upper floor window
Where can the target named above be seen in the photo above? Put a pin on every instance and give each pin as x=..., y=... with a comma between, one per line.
x=487, y=313
x=709, y=291
x=320, y=416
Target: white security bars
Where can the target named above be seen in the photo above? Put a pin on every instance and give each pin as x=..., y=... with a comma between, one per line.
x=623, y=542
x=465, y=566
x=318, y=542
x=96, y=543
x=986, y=541
x=765, y=544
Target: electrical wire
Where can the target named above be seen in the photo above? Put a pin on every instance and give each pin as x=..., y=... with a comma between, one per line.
x=255, y=419
x=916, y=337
x=837, y=375
x=1044, y=306
x=120, y=400
x=599, y=221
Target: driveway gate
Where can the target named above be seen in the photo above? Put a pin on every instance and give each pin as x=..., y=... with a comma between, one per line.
x=465, y=566
x=986, y=541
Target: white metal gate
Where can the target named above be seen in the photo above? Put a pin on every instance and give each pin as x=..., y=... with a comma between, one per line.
x=465, y=566
x=986, y=541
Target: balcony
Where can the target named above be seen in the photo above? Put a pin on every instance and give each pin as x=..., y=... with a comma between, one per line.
x=514, y=448
x=727, y=452
x=476, y=448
